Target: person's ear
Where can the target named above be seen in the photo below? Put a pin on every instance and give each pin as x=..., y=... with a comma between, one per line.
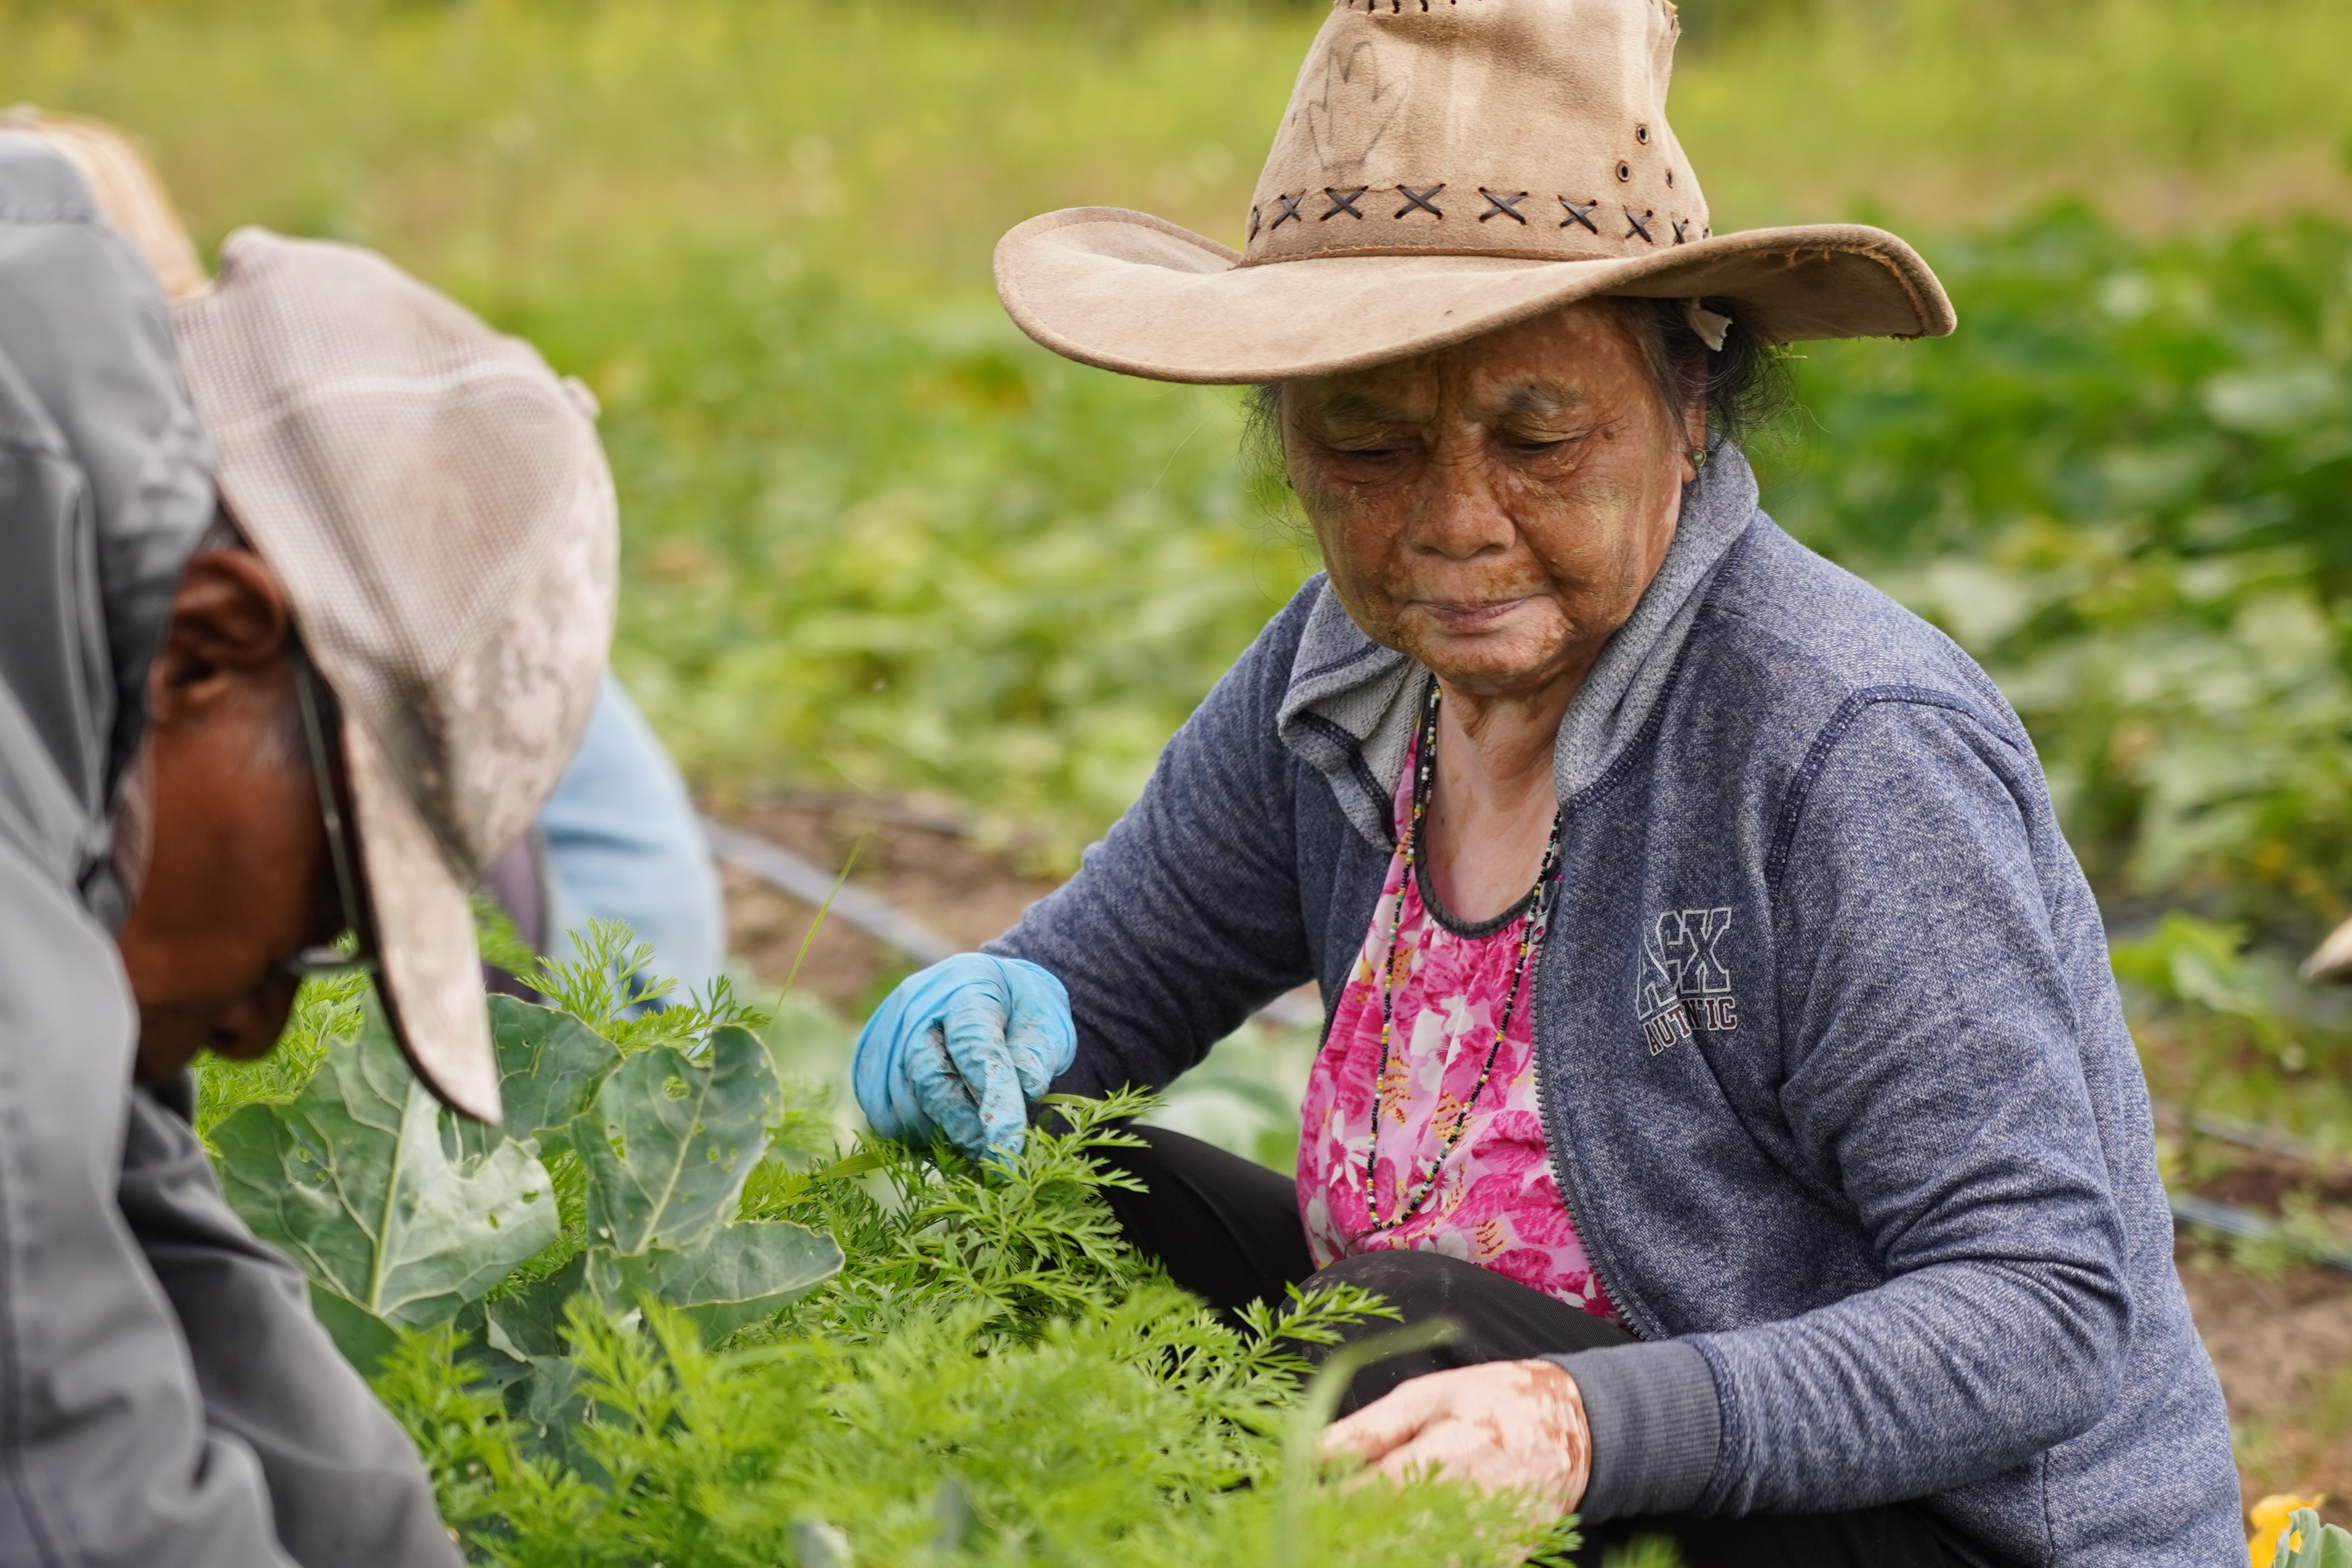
x=229, y=617
x=1694, y=433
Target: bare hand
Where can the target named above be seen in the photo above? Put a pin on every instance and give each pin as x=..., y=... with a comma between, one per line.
x=1513, y=1424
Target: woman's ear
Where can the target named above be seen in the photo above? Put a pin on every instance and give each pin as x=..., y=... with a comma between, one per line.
x=229, y=617
x=1694, y=438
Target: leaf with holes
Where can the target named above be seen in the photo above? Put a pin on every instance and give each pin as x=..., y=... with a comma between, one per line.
x=359, y=1179
x=669, y=1140
x=737, y=1274
x=549, y=1066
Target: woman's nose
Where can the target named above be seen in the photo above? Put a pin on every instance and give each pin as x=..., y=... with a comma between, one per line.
x=1461, y=513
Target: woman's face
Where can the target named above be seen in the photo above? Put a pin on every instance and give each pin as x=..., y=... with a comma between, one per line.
x=1495, y=509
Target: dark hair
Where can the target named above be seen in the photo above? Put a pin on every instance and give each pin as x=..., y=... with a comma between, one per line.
x=1744, y=385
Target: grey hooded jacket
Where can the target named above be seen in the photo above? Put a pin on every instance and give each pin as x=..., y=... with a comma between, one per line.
x=1832, y=1070
x=166, y=1398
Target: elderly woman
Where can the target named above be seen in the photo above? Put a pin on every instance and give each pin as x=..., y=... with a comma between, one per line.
x=1719, y=1030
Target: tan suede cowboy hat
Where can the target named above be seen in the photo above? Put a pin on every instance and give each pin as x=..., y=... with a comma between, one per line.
x=1447, y=167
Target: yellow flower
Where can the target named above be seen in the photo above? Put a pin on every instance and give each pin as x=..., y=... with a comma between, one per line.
x=2271, y=1517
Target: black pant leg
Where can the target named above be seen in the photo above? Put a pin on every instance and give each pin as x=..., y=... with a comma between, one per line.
x=1226, y=1228
x=1495, y=1319
x=1901, y=1535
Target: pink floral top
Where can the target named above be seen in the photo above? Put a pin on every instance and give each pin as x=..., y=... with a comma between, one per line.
x=1494, y=1203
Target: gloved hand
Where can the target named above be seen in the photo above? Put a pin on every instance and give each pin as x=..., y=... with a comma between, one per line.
x=961, y=1048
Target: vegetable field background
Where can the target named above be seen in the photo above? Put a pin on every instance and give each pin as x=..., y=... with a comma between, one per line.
x=885, y=557
x=880, y=542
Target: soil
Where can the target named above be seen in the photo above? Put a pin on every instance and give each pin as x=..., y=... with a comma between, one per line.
x=933, y=873
x=2260, y=1180
x=2284, y=1348
x=2283, y=1345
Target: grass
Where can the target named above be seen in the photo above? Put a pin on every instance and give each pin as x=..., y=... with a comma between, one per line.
x=2167, y=115
x=496, y=145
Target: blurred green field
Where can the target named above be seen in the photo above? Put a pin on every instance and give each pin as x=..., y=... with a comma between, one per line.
x=876, y=540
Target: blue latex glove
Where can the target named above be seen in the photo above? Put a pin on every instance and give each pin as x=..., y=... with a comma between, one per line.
x=960, y=1048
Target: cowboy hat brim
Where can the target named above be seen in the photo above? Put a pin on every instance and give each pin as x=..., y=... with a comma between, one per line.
x=1133, y=293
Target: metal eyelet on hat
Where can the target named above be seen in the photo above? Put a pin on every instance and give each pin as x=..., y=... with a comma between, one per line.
x=1670, y=179
x=1641, y=134
x=1624, y=170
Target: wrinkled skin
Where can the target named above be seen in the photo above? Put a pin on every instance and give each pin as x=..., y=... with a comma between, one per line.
x=1509, y=1426
x=1495, y=510
x=237, y=876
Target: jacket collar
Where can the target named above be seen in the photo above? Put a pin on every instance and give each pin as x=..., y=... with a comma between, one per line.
x=1349, y=709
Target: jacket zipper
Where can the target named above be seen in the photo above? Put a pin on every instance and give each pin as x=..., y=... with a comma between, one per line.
x=1563, y=1169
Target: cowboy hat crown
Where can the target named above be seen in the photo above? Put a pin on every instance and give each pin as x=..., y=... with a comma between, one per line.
x=1530, y=130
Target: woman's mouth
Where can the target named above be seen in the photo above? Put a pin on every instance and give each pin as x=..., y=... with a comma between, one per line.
x=1470, y=615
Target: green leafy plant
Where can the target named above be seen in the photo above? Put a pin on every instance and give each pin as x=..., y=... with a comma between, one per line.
x=353, y=1177
x=404, y=1217
x=2225, y=1032
x=1116, y=1436
x=700, y=1348
x=2307, y=1544
x=2121, y=486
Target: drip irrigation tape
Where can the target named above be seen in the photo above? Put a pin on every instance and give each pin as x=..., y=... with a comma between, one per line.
x=2231, y=1220
x=807, y=882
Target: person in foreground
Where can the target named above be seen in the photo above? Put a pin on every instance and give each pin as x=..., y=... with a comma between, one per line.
x=618, y=839
x=247, y=709
x=1718, y=1027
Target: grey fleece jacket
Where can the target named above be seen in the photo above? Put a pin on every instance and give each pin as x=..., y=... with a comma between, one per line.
x=167, y=1399
x=1832, y=1069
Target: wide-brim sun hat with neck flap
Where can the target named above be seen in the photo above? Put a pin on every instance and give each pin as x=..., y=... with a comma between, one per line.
x=437, y=505
x=1447, y=167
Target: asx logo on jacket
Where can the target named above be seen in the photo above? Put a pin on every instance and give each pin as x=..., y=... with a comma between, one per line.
x=1685, y=982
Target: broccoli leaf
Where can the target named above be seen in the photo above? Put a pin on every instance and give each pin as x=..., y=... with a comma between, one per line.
x=2307, y=1544
x=670, y=1140
x=529, y=1322
x=739, y=1273
x=549, y=1066
x=354, y=1179
x=365, y=1339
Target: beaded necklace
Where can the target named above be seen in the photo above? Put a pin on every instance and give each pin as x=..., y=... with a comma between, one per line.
x=1532, y=928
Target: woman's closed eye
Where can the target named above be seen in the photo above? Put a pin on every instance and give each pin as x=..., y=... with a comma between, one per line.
x=1369, y=450
x=1535, y=444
